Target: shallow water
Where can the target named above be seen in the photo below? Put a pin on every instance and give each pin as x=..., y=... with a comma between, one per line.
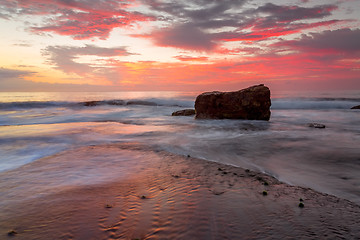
x=36, y=125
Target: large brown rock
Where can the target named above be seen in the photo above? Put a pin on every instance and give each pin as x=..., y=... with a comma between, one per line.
x=252, y=103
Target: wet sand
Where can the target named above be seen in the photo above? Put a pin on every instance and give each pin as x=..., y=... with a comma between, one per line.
x=165, y=196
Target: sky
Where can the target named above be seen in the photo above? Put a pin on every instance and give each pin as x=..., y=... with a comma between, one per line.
x=172, y=45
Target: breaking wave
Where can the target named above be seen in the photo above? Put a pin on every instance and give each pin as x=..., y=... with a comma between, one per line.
x=115, y=102
x=315, y=103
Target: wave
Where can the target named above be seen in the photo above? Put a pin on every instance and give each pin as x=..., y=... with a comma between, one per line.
x=314, y=103
x=96, y=103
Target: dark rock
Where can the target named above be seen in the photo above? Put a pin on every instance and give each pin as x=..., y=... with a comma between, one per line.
x=252, y=103
x=12, y=233
x=265, y=193
x=139, y=102
x=91, y=103
x=108, y=102
x=316, y=125
x=356, y=107
x=301, y=205
x=185, y=112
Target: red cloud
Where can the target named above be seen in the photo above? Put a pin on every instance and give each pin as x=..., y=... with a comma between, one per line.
x=258, y=33
x=81, y=19
x=271, y=69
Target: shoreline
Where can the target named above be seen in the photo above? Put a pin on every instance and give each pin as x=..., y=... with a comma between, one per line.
x=166, y=196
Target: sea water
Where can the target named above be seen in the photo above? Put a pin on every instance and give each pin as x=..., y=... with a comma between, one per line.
x=36, y=125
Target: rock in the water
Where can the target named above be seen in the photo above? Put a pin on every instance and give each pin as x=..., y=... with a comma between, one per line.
x=356, y=107
x=252, y=103
x=185, y=112
x=91, y=103
x=316, y=125
x=142, y=103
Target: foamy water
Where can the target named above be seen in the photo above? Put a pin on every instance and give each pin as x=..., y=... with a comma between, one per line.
x=36, y=125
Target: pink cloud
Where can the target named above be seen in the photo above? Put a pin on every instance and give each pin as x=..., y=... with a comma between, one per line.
x=80, y=19
x=258, y=33
x=191, y=59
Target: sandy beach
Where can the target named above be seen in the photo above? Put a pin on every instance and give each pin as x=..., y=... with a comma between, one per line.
x=165, y=196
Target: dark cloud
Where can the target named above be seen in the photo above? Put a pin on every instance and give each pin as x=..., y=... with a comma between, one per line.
x=189, y=22
x=285, y=14
x=201, y=13
x=6, y=74
x=184, y=36
x=341, y=40
x=203, y=25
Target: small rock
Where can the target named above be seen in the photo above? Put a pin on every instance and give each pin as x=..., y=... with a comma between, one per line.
x=264, y=193
x=12, y=233
x=259, y=178
x=91, y=103
x=301, y=205
x=143, y=197
x=185, y=112
x=141, y=103
x=316, y=125
x=356, y=107
x=247, y=170
x=301, y=200
x=108, y=206
x=217, y=192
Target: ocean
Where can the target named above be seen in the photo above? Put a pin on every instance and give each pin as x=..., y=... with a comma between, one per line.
x=34, y=126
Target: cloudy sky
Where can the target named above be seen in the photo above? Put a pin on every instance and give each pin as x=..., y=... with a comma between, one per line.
x=190, y=45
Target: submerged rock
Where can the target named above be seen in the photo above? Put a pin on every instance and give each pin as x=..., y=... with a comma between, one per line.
x=91, y=103
x=252, y=103
x=185, y=112
x=356, y=107
x=316, y=125
x=140, y=102
x=99, y=103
